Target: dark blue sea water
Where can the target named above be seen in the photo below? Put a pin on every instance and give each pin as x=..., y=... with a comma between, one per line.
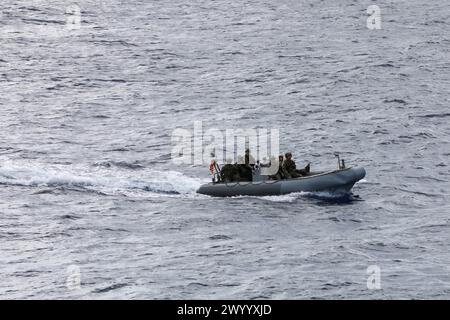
x=88, y=190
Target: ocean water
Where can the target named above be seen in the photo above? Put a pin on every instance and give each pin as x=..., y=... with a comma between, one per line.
x=92, y=207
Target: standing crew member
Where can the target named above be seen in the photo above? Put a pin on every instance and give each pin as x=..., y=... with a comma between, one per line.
x=249, y=160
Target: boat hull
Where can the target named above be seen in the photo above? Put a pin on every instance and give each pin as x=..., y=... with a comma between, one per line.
x=333, y=181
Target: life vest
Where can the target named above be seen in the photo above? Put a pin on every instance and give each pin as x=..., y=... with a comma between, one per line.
x=211, y=166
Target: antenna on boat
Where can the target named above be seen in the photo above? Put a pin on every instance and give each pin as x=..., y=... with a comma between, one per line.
x=341, y=164
x=336, y=154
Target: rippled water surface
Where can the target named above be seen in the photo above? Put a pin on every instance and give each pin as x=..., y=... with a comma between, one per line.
x=87, y=116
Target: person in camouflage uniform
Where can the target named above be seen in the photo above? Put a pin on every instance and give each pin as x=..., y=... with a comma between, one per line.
x=282, y=173
x=291, y=169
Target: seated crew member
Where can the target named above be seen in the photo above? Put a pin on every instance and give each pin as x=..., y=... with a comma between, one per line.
x=281, y=173
x=290, y=167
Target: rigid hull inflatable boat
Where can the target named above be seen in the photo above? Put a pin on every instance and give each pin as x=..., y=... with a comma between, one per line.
x=341, y=180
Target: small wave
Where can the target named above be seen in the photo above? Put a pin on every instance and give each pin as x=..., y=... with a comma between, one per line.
x=110, y=288
x=197, y=284
x=119, y=149
x=333, y=197
x=434, y=115
x=219, y=237
x=327, y=196
x=430, y=195
x=100, y=116
x=113, y=42
x=385, y=65
x=120, y=164
x=109, y=80
x=400, y=101
x=43, y=21
x=69, y=217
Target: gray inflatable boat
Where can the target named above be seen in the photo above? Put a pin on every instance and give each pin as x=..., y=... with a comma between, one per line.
x=341, y=180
